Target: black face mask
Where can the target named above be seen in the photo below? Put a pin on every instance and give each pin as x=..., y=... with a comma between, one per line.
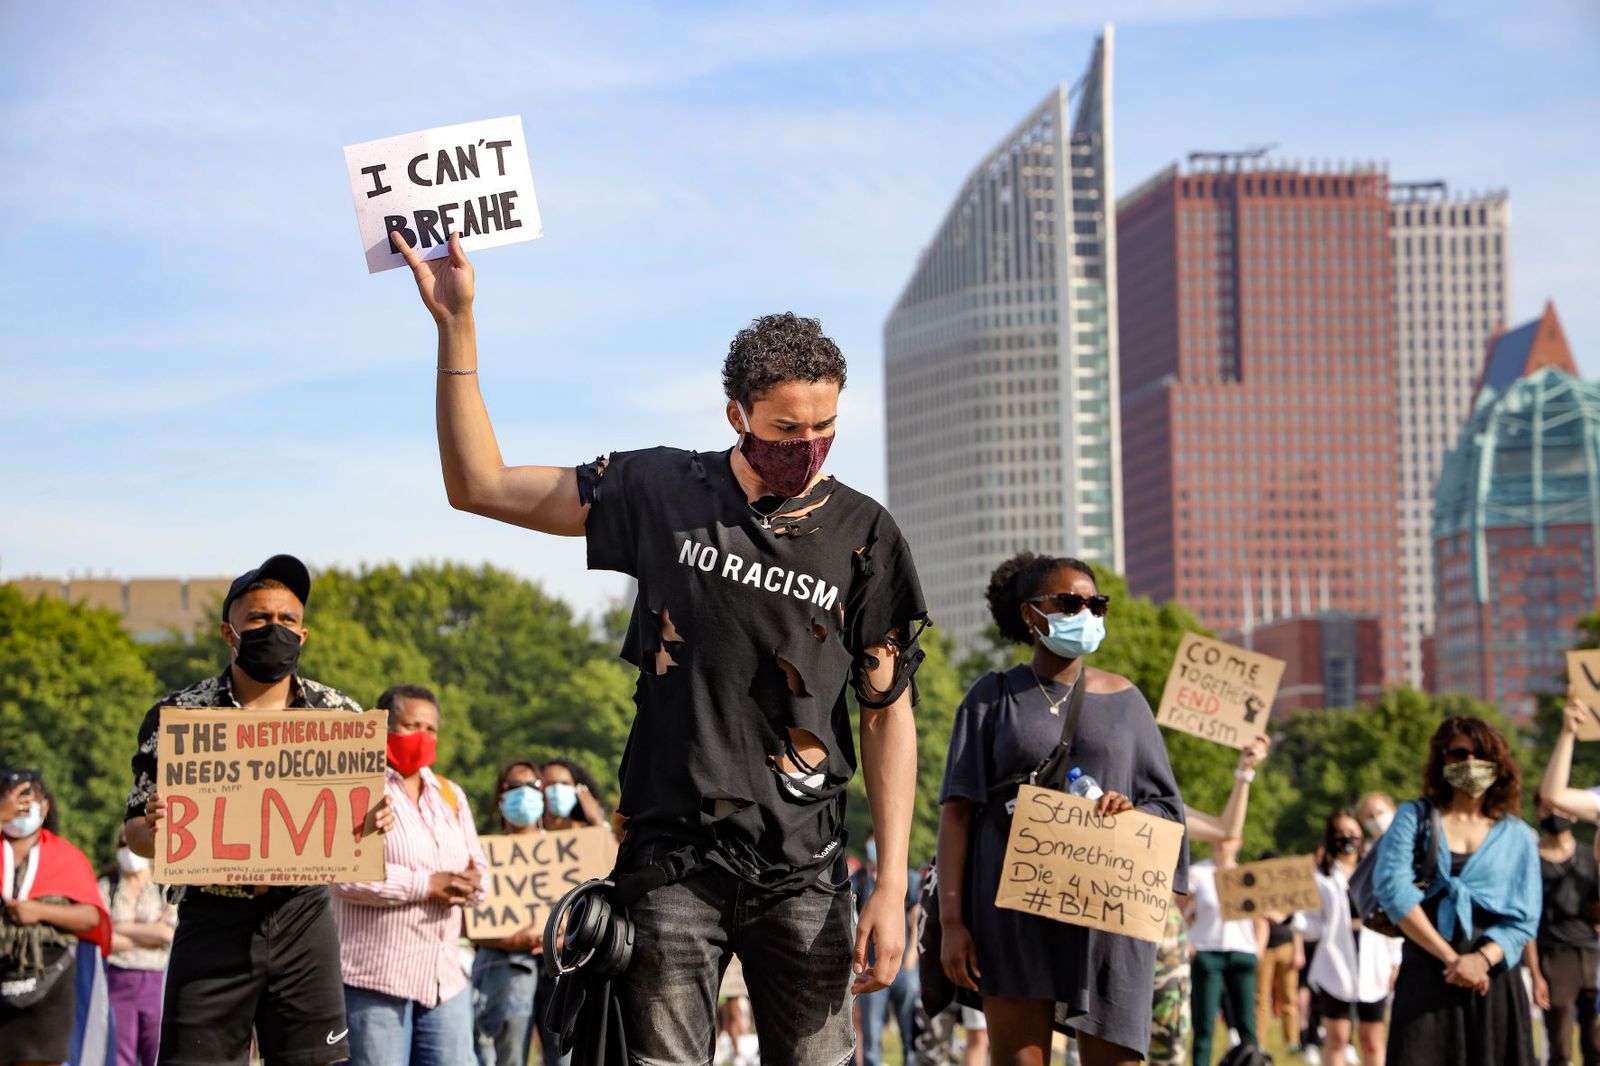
x=269, y=653
x=1346, y=845
x=1554, y=824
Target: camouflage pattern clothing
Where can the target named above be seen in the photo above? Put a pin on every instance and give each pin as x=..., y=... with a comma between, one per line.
x=1170, y=1027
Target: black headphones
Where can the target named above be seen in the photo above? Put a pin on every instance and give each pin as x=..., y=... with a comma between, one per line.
x=598, y=938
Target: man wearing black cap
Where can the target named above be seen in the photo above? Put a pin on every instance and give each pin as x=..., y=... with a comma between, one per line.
x=249, y=957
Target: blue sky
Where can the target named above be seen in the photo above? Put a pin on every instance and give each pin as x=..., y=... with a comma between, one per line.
x=198, y=371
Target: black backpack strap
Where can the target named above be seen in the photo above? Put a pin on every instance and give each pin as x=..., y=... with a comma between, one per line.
x=1425, y=856
x=1051, y=772
x=663, y=870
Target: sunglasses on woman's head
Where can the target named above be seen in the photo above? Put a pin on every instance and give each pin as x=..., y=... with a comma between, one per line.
x=1461, y=754
x=1070, y=603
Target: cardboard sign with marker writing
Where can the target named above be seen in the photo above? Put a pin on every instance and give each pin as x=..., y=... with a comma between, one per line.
x=527, y=874
x=1064, y=861
x=268, y=797
x=472, y=179
x=1583, y=670
x=1275, y=886
x=1218, y=692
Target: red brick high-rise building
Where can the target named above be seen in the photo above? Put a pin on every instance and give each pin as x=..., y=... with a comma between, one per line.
x=1259, y=422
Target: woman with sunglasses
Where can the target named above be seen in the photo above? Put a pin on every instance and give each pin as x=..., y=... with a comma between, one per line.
x=505, y=970
x=1023, y=965
x=1458, y=1000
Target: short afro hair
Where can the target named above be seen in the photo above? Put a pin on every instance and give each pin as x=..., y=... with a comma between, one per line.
x=775, y=349
x=1018, y=580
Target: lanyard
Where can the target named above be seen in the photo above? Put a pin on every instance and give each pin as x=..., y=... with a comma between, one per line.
x=29, y=872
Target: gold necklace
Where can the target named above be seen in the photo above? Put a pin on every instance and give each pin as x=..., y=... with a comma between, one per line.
x=1055, y=705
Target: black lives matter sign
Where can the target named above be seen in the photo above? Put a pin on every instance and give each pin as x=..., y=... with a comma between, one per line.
x=472, y=179
x=529, y=872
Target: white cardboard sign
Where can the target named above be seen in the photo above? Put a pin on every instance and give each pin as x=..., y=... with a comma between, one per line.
x=473, y=178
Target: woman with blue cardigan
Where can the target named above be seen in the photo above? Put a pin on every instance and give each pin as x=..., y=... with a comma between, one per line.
x=1458, y=1000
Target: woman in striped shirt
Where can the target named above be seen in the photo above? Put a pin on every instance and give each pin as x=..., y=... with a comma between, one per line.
x=406, y=997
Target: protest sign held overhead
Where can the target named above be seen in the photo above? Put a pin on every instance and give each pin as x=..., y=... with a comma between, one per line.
x=527, y=874
x=1275, y=886
x=1583, y=672
x=269, y=797
x=472, y=179
x=1111, y=872
x=1219, y=692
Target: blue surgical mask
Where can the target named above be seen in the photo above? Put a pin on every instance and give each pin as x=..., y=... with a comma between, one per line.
x=872, y=851
x=522, y=806
x=24, y=825
x=560, y=798
x=1072, y=636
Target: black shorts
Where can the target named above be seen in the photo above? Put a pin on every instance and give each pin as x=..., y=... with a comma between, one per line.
x=42, y=1032
x=1336, y=1008
x=270, y=964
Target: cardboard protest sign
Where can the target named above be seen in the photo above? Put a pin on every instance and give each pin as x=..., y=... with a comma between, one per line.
x=1218, y=692
x=527, y=874
x=1583, y=671
x=473, y=179
x=268, y=797
x=1275, y=886
x=1064, y=861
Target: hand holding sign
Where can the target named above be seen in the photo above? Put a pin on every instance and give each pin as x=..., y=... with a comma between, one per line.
x=472, y=179
x=1068, y=862
x=268, y=797
x=446, y=284
x=1582, y=712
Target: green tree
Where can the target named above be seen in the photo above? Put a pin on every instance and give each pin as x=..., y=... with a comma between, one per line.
x=73, y=690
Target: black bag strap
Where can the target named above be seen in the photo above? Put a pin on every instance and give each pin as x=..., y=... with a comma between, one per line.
x=1424, y=856
x=1051, y=772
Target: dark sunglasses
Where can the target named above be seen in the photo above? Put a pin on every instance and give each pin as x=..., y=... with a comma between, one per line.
x=509, y=787
x=1461, y=754
x=1070, y=603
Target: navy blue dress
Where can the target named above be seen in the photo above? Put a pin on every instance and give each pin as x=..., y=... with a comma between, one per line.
x=1101, y=982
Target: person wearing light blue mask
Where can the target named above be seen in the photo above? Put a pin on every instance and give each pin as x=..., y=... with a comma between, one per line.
x=505, y=970
x=569, y=796
x=1023, y=965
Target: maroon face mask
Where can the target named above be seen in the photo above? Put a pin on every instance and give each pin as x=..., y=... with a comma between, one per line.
x=785, y=466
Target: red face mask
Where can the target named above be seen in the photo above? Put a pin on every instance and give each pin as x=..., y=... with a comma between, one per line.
x=410, y=752
x=785, y=466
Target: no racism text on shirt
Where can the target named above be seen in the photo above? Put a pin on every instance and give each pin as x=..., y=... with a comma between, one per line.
x=746, y=631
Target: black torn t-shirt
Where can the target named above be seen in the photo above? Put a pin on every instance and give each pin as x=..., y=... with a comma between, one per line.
x=747, y=625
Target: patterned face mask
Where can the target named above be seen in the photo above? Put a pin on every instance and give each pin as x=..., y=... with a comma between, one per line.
x=1472, y=776
x=784, y=466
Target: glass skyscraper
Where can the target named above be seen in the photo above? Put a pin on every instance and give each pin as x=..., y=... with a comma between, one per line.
x=1001, y=361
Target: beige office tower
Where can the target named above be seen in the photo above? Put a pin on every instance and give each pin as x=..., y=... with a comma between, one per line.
x=1452, y=285
x=1001, y=361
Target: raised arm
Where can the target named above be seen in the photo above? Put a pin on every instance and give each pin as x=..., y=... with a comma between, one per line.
x=1556, y=788
x=476, y=478
x=1211, y=829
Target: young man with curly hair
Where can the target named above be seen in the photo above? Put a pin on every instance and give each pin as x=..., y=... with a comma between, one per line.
x=765, y=589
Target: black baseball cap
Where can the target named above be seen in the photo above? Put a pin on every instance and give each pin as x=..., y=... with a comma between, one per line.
x=285, y=568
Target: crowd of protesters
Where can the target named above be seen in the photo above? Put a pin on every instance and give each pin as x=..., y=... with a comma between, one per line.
x=734, y=925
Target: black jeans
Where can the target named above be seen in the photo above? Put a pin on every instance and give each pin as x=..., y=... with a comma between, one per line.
x=796, y=949
x=1570, y=972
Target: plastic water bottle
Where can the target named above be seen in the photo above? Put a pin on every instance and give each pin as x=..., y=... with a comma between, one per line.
x=1081, y=784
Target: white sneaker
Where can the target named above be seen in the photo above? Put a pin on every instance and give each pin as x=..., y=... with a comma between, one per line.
x=1351, y=1055
x=1313, y=1055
